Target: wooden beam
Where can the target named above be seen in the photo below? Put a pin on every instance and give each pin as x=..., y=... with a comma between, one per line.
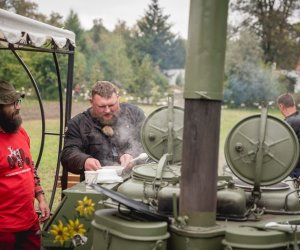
x=200, y=161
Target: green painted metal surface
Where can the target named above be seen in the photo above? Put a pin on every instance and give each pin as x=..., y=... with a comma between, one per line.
x=278, y=150
x=114, y=232
x=247, y=238
x=200, y=238
x=206, y=50
x=73, y=216
x=162, y=133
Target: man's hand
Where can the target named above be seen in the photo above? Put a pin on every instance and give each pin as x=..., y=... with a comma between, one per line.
x=45, y=211
x=126, y=161
x=92, y=164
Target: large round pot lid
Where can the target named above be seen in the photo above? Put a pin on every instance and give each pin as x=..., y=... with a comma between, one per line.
x=156, y=136
x=149, y=172
x=280, y=150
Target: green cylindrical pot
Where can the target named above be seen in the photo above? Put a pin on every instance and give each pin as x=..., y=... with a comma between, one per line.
x=113, y=232
x=199, y=238
x=250, y=238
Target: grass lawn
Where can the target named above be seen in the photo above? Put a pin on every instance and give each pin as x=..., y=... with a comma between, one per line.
x=47, y=165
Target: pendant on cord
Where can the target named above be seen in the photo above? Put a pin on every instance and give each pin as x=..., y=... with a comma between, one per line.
x=108, y=131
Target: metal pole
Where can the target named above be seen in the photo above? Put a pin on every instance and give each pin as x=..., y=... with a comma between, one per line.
x=203, y=95
x=64, y=178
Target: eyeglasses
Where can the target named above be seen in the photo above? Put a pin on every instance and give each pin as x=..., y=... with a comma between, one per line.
x=17, y=103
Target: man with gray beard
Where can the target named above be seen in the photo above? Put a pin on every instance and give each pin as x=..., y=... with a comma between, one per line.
x=106, y=134
x=19, y=183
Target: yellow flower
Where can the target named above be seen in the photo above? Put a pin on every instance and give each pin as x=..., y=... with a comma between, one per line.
x=60, y=233
x=85, y=207
x=75, y=227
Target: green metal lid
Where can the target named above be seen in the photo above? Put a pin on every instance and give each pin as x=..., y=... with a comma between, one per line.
x=108, y=220
x=149, y=172
x=279, y=153
x=162, y=132
x=254, y=238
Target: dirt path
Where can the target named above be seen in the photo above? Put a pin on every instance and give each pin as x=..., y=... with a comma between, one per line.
x=32, y=111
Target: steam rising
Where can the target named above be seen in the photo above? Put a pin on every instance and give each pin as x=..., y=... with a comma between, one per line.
x=128, y=136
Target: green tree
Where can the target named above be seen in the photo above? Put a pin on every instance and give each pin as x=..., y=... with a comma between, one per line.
x=23, y=8
x=149, y=80
x=44, y=72
x=12, y=71
x=72, y=23
x=80, y=67
x=93, y=52
x=117, y=65
x=153, y=36
x=55, y=19
x=40, y=65
x=176, y=57
x=248, y=79
x=129, y=39
x=97, y=30
x=96, y=72
x=269, y=19
x=145, y=81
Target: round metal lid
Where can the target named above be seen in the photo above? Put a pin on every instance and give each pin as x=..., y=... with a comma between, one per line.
x=254, y=238
x=148, y=172
x=155, y=133
x=280, y=150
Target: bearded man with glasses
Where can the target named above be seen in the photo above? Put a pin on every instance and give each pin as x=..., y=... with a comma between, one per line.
x=106, y=134
x=19, y=183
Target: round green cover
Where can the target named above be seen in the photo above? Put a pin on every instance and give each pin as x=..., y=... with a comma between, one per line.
x=149, y=172
x=155, y=133
x=112, y=222
x=255, y=238
x=280, y=150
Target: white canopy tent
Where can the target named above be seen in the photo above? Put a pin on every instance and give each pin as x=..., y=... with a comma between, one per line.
x=23, y=31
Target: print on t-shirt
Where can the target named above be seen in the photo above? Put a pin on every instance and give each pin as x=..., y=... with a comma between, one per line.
x=17, y=158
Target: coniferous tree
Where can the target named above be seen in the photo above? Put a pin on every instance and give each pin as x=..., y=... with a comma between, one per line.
x=154, y=37
x=73, y=23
